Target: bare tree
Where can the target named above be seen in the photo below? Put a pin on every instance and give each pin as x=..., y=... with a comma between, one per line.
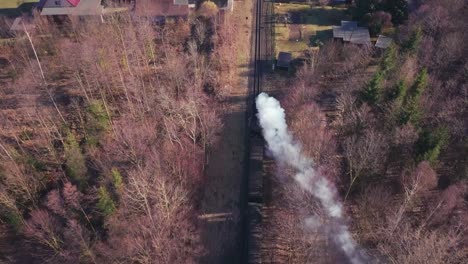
x=364, y=155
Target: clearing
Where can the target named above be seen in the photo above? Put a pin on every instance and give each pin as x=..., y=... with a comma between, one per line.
x=300, y=27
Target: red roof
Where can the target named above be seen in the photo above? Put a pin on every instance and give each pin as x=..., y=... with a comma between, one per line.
x=74, y=2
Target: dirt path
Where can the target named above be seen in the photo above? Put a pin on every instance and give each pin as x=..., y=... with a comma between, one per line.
x=220, y=214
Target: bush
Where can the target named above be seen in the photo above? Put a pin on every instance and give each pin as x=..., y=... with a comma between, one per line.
x=105, y=204
x=411, y=111
x=9, y=212
x=398, y=93
x=398, y=9
x=75, y=161
x=378, y=21
x=388, y=62
x=11, y=218
x=36, y=164
x=97, y=121
x=208, y=9
x=116, y=179
x=420, y=84
x=430, y=144
x=412, y=44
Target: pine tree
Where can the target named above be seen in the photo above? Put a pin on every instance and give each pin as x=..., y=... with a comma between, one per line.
x=398, y=9
x=372, y=90
x=105, y=204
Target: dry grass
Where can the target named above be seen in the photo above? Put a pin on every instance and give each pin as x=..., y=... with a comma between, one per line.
x=15, y=3
x=315, y=22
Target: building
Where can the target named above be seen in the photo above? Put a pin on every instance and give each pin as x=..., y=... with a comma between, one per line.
x=75, y=8
x=383, y=42
x=350, y=32
x=161, y=9
x=284, y=60
x=70, y=7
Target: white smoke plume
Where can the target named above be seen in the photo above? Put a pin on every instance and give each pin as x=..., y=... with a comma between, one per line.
x=280, y=142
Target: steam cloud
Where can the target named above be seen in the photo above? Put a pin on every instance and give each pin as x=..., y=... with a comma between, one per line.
x=284, y=149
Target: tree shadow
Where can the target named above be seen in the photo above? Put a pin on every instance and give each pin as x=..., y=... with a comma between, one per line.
x=317, y=16
x=321, y=36
x=220, y=216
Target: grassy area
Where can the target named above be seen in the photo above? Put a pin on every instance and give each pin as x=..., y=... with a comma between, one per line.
x=5, y=4
x=308, y=25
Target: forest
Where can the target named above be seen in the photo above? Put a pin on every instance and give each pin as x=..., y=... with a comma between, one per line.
x=106, y=129
x=388, y=128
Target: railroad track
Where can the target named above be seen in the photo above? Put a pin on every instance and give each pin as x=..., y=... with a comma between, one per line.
x=252, y=187
x=259, y=241
x=251, y=192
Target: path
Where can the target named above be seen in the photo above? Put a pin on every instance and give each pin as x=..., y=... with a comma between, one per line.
x=221, y=216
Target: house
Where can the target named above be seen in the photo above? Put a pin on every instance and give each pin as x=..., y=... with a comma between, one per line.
x=70, y=7
x=75, y=8
x=383, y=42
x=161, y=9
x=351, y=33
x=284, y=60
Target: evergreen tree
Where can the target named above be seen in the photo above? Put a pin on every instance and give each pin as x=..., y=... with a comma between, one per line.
x=105, y=204
x=398, y=9
x=364, y=7
x=372, y=90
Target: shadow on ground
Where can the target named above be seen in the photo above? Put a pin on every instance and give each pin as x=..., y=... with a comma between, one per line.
x=220, y=204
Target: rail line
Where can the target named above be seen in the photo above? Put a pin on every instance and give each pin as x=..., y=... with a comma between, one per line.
x=251, y=193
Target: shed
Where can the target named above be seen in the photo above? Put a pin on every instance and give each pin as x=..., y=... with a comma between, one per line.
x=383, y=42
x=284, y=59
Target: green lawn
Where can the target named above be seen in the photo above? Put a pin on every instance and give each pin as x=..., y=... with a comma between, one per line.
x=4, y=4
x=315, y=23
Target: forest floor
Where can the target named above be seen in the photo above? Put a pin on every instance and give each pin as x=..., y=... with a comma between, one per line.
x=219, y=208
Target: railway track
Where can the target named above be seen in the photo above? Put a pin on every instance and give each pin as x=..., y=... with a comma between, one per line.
x=260, y=242
x=252, y=187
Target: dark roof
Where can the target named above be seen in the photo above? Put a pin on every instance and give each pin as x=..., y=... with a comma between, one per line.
x=56, y=4
x=284, y=58
x=155, y=8
x=383, y=42
x=360, y=36
x=344, y=31
x=350, y=32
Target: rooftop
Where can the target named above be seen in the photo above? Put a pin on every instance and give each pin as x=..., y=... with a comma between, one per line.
x=284, y=59
x=162, y=8
x=71, y=7
x=350, y=32
x=383, y=42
